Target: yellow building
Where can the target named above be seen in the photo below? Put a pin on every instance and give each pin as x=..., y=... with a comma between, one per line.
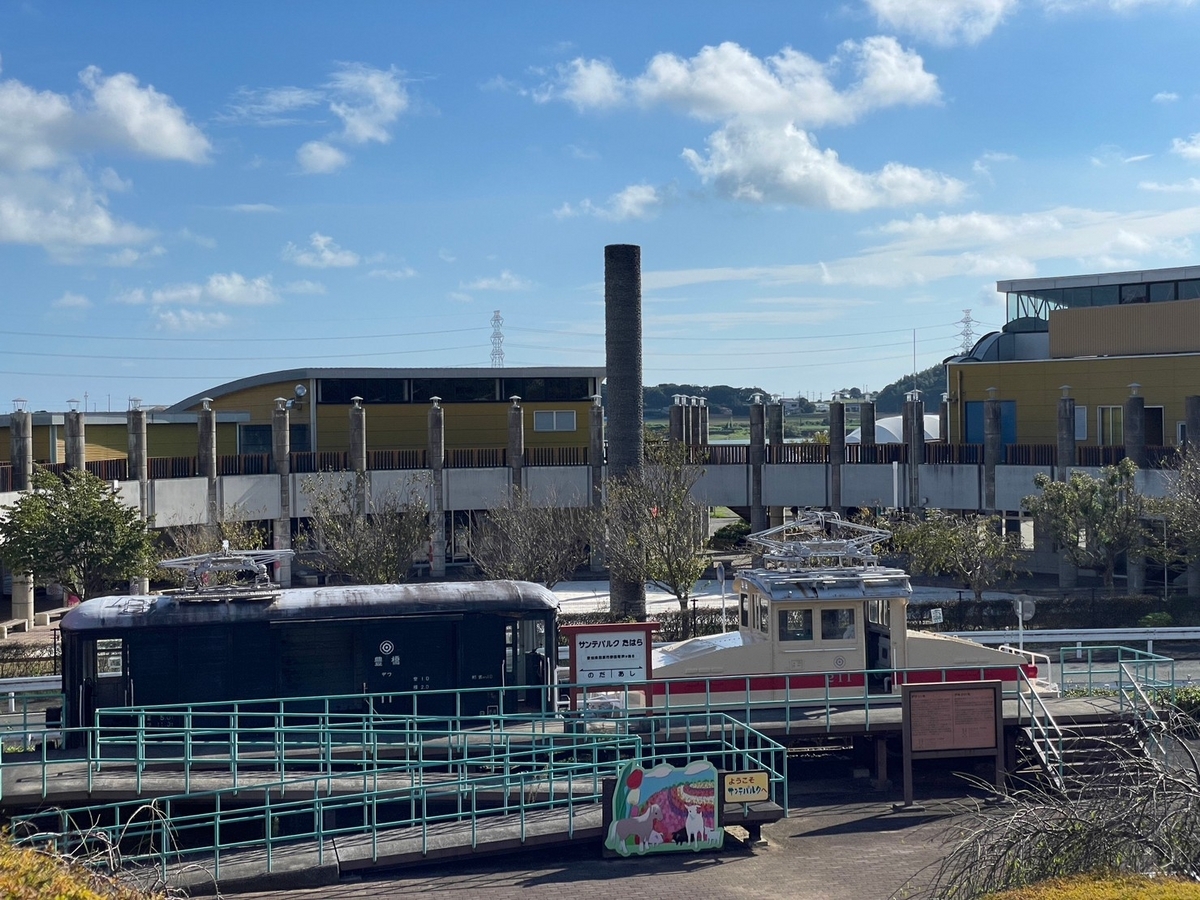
x=1095, y=338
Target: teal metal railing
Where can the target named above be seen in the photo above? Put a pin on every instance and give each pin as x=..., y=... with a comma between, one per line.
x=1044, y=733
x=563, y=773
x=1103, y=669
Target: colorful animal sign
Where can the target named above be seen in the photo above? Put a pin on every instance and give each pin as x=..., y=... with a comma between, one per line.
x=665, y=809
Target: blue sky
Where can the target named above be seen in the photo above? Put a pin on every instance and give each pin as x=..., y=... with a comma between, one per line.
x=194, y=193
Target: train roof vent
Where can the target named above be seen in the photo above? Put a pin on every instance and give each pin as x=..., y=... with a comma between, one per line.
x=227, y=574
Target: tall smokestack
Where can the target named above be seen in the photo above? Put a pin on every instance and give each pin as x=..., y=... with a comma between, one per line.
x=623, y=364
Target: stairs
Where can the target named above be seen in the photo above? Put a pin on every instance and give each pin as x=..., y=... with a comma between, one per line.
x=1085, y=757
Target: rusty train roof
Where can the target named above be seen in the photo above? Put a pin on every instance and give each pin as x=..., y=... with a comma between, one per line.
x=308, y=604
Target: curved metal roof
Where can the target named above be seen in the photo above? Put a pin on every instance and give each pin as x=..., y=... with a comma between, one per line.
x=308, y=374
x=308, y=604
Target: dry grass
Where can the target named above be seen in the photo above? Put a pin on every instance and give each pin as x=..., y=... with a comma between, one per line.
x=1131, y=887
x=27, y=874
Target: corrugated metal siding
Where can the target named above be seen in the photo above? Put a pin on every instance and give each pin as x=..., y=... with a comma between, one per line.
x=1126, y=330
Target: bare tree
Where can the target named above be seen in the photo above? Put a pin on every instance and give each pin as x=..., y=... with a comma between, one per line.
x=655, y=527
x=369, y=539
x=1179, y=510
x=527, y=541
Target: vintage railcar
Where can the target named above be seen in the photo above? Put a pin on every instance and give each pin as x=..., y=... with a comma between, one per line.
x=222, y=644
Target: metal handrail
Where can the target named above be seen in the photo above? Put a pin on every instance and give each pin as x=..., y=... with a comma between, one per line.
x=1044, y=733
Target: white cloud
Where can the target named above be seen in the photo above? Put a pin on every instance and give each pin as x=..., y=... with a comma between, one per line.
x=638, y=201
x=45, y=196
x=143, y=119
x=943, y=22
x=191, y=320
x=237, y=290
x=459, y=297
x=272, y=106
x=303, y=287
x=367, y=101
x=1165, y=97
x=972, y=228
x=132, y=297
x=200, y=240
x=394, y=274
x=762, y=151
x=325, y=254
x=773, y=164
x=1189, y=149
x=253, y=208
x=1192, y=185
x=128, y=256
x=60, y=213
x=320, y=158
x=72, y=301
x=505, y=281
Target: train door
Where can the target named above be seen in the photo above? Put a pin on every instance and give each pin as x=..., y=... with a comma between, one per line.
x=481, y=663
x=105, y=680
x=526, y=665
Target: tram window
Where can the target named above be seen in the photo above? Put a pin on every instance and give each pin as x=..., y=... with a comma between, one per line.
x=110, y=659
x=873, y=612
x=837, y=624
x=795, y=625
x=764, y=616
x=744, y=603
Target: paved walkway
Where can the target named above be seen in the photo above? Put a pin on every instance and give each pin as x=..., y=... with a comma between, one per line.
x=833, y=848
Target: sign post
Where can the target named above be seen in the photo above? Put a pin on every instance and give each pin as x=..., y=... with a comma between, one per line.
x=1024, y=607
x=720, y=567
x=617, y=655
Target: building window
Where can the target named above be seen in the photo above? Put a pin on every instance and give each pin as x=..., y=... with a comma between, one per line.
x=1189, y=290
x=372, y=390
x=1162, y=292
x=1133, y=293
x=298, y=438
x=795, y=625
x=554, y=420
x=1081, y=431
x=1181, y=433
x=254, y=439
x=455, y=390
x=533, y=390
x=1110, y=426
x=837, y=624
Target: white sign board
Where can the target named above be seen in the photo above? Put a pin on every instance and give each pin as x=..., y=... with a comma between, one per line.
x=608, y=657
x=935, y=616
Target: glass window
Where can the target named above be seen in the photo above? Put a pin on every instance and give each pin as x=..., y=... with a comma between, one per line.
x=110, y=659
x=454, y=390
x=744, y=602
x=1110, y=426
x=1073, y=298
x=795, y=625
x=254, y=439
x=764, y=616
x=1188, y=290
x=1162, y=292
x=533, y=389
x=554, y=420
x=298, y=438
x=1106, y=295
x=372, y=390
x=837, y=625
x=1133, y=293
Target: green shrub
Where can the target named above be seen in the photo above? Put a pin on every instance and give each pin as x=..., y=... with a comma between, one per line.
x=1156, y=620
x=731, y=536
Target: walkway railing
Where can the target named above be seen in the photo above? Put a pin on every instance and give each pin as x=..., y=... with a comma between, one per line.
x=563, y=774
x=1044, y=733
x=1105, y=664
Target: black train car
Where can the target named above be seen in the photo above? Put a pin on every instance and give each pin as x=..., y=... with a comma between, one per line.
x=218, y=646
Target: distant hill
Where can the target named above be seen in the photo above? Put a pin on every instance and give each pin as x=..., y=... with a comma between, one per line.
x=734, y=401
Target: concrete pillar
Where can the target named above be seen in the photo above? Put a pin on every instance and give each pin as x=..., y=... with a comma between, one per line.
x=914, y=418
x=596, y=464
x=1068, y=575
x=437, y=508
x=623, y=364
x=1191, y=407
x=516, y=441
x=1135, y=569
x=694, y=421
x=281, y=465
x=675, y=419
x=206, y=456
x=758, y=454
x=944, y=419
x=991, y=449
x=20, y=435
x=22, y=597
x=837, y=453
x=358, y=455
x=775, y=439
x=866, y=432
x=138, y=455
x=1066, y=457
x=1135, y=426
x=703, y=421
x=20, y=442
x=76, y=441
